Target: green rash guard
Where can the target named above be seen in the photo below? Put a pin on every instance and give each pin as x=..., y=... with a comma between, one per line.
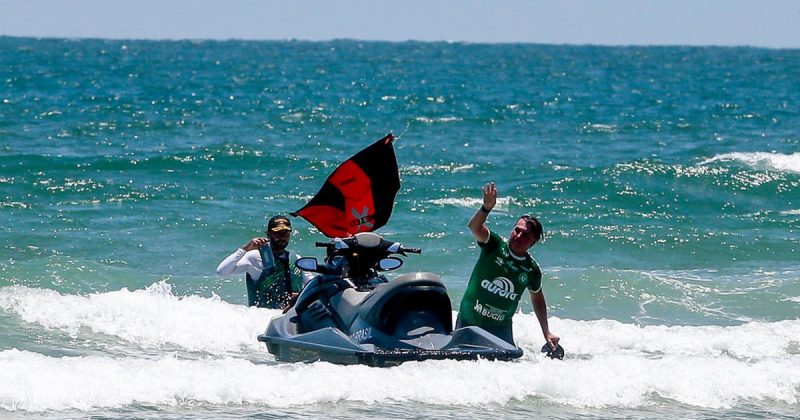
x=497, y=283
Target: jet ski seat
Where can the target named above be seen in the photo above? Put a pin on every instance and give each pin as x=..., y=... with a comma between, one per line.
x=408, y=293
x=348, y=303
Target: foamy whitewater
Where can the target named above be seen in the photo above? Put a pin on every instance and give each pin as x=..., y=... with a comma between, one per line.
x=201, y=351
x=762, y=161
x=666, y=179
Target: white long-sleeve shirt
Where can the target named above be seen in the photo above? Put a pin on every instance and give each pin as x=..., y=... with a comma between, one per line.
x=242, y=261
x=249, y=262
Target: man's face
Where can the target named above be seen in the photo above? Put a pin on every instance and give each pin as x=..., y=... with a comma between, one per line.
x=521, y=235
x=279, y=240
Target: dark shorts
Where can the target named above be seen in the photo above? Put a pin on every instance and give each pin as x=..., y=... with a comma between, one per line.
x=505, y=333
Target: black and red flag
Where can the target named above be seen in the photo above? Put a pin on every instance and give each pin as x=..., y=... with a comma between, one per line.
x=359, y=195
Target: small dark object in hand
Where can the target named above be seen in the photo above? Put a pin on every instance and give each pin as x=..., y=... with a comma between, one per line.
x=558, y=353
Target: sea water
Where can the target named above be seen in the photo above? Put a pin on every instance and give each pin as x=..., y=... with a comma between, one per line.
x=666, y=179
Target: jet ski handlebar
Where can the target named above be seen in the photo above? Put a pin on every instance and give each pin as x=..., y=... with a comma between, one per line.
x=366, y=241
x=401, y=250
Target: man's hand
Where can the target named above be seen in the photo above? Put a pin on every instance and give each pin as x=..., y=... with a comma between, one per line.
x=489, y=196
x=552, y=340
x=255, y=243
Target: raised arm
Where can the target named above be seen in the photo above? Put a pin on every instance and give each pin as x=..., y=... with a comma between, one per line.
x=477, y=224
x=233, y=263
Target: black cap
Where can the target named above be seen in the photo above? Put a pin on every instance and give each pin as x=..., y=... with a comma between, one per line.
x=279, y=223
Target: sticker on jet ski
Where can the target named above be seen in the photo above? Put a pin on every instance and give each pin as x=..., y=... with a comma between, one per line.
x=359, y=195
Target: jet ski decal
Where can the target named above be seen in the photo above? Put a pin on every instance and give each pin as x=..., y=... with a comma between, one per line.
x=359, y=195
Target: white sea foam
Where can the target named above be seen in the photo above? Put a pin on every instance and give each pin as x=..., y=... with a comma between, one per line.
x=608, y=364
x=431, y=169
x=749, y=341
x=148, y=318
x=601, y=128
x=471, y=202
x=762, y=161
x=428, y=120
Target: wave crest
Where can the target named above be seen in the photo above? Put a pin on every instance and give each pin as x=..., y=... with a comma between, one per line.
x=776, y=162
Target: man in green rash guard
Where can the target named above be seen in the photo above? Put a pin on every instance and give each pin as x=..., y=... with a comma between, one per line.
x=502, y=273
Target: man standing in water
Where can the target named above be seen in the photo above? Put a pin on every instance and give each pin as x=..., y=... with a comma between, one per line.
x=501, y=274
x=273, y=280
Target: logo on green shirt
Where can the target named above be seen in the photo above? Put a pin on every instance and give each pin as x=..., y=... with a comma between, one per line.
x=523, y=279
x=500, y=286
x=489, y=311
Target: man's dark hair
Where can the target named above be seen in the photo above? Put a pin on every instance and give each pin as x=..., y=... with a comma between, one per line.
x=534, y=226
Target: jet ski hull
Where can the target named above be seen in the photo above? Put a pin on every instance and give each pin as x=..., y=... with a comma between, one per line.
x=332, y=345
x=301, y=349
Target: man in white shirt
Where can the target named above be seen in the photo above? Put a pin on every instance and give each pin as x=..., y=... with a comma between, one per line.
x=273, y=280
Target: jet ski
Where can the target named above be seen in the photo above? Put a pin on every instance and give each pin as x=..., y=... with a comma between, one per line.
x=351, y=314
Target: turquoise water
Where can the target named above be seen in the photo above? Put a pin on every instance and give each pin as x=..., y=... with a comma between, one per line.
x=666, y=179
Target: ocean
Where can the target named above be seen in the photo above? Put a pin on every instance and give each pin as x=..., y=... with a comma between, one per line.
x=666, y=179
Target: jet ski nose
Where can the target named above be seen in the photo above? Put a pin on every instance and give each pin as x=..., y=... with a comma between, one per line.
x=368, y=239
